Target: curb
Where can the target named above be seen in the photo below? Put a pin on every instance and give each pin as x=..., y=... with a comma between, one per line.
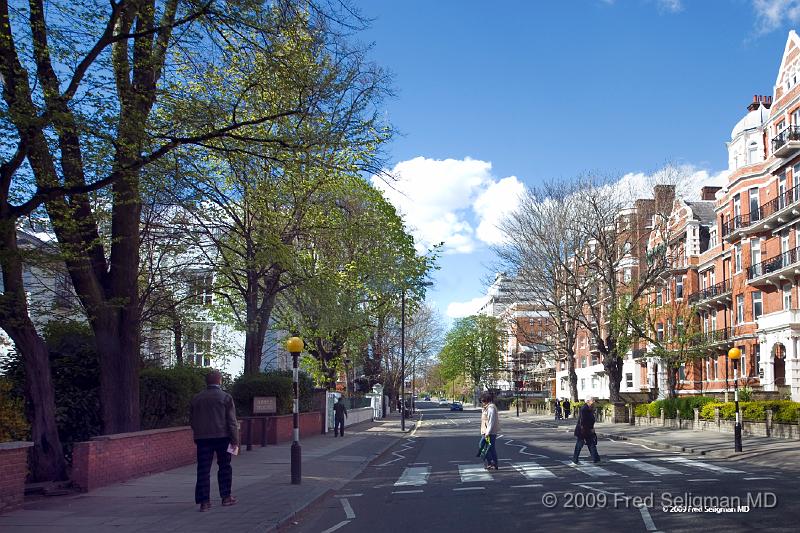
x=295, y=513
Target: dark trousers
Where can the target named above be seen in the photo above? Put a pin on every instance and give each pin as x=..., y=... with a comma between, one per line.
x=592, y=448
x=491, y=455
x=338, y=427
x=206, y=448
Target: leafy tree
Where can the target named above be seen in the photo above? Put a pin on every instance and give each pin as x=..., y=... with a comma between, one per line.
x=473, y=347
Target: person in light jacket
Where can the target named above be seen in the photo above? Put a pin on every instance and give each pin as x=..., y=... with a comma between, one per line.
x=490, y=426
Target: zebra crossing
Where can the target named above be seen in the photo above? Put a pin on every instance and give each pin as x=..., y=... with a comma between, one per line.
x=542, y=471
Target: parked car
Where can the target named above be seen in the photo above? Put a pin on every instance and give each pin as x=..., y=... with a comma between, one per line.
x=427, y=398
x=444, y=403
x=456, y=406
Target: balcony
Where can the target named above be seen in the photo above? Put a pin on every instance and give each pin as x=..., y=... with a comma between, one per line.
x=721, y=292
x=735, y=226
x=782, y=266
x=714, y=338
x=777, y=212
x=779, y=320
x=786, y=142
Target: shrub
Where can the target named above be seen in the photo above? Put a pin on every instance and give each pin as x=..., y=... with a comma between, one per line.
x=276, y=383
x=13, y=425
x=165, y=394
x=683, y=405
x=641, y=410
x=785, y=412
x=504, y=404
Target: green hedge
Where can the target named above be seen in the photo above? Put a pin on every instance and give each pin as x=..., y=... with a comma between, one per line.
x=13, y=425
x=165, y=394
x=685, y=405
x=784, y=411
x=276, y=383
x=504, y=404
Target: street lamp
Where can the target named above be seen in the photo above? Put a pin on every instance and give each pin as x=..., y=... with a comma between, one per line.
x=735, y=354
x=294, y=346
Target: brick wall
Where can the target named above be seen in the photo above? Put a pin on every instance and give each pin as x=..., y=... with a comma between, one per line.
x=280, y=428
x=13, y=470
x=110, y=459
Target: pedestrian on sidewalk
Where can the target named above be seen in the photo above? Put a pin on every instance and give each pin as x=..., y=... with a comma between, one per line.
x=584, y=432
x=212, y=415
x=558, y=409
x=490, y=426
x=339, y=414
x=567, y=408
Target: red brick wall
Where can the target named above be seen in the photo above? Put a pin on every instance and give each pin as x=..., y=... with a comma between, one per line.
x=280, y=430
x=13, y=469
x=110, y=459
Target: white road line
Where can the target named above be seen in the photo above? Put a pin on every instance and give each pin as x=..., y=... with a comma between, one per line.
x=636, y=444
x=414, y=475
x=418, y=464
x=591, y=483
x=349, y=495
x=699, y=464
x=701, y=480
x=758, y=478
x=417, y=491
x=526, y=486
x=648, y=481
x=473, y=473
x=470, y=488
x=337, y=526
x=348, y=509
x=406, y=446
x=591, y=470
x=522, y=449
x=647, y=467
x=648, y=520
x=532, y=470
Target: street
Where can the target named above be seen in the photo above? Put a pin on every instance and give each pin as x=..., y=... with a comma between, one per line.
x=433, y=481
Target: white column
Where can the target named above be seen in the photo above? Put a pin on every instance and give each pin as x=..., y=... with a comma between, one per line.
x=793, y=370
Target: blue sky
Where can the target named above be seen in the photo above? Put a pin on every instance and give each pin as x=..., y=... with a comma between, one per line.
x=493, y=97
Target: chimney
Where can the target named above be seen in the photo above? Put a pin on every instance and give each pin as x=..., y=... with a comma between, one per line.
x=759, y=100
x=664, y=196
x=709, y=193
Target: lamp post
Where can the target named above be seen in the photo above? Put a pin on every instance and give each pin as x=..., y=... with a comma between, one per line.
x=735, y=354
x=294, y=346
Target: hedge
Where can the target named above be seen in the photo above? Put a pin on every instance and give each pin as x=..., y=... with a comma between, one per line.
x=276, y=383
x=684, y=405
x=13, y=425
x=165, y=394
x=784, y=411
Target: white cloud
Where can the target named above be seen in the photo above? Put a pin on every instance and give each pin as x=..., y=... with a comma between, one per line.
x=462, y=309
x=773, y=14
x=673, y=6
x=688, y=180
x=493, y=204
x=444, y=200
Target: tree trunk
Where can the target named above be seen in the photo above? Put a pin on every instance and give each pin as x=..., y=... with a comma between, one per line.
x=672, y=381
x=177, y=330
x=117, y=339
x=614, y=371
x=572, y=375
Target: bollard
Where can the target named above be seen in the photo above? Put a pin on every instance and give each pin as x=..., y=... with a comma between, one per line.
x=663, y=418
x=696, y=419
x=769, y=422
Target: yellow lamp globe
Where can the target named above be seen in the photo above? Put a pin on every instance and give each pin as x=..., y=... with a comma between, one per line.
x=294, y=345
x=734, y=353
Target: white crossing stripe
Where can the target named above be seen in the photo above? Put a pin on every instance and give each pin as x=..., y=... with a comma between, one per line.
x=591, y=470
x=647, y=467
x=414, y=475
x=532, y=470
x=699, y=464
x=473, y=473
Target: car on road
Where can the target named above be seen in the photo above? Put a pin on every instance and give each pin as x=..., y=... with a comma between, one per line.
x=427, y=398
x=444, y=403
x=456, y=406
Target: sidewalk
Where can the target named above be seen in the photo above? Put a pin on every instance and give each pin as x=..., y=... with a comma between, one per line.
x=261, y=483
x=759, y=450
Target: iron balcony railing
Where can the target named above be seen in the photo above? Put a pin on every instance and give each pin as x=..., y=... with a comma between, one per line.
x=717, y=335
x=791, y=133
x=774, y=264
x=710, y=292
x=737, y=222
x=782, y=201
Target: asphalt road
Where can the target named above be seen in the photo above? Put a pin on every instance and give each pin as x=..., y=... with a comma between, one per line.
x=432, y=481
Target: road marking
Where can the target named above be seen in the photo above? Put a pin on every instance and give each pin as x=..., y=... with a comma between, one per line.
x=700, y=480
x=348, y=509
x=591, y=483
x=648, y=520
x=470, y=488
x=522, y=449
x=699, y=464
x=758, y=478
x=532, y=470
x=636, y=444
x=458, y=462
x=337, y=526
x=647, y=467
x=414, y=475
x=526, y=486
x=417, y=491
x=349, y=495
x=591, y=470
x=406, y=446
x=647, y=481
x=418, y=464
x=473, y=473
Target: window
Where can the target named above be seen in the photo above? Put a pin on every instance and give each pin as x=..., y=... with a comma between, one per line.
x=743, y=360
x=64, y=292
x=755, y=252
x=782, y=191
x=595, y=359
x=752, y=153
x=752, y=195
x=595, y=383
x=679, y=287
x=629, y=380
x=757, y=359
x=737, y=209
x=737, y=253
x=682, y=372
x=626, y=275
x=787, y=296
x=712, y=278
x=669, y=328
x=659, y=298
x=740, y=308
x=785, y=245
x=660, y=331
x=201, y=286
x=668, y=294
x=198, y=345
x=583, y=383
x=713, y=320
x=758, y=308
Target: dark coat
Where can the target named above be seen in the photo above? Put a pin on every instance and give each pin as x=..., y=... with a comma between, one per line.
x=212, y=415
x=339, y=411
x=566, y=406
x=585, y=426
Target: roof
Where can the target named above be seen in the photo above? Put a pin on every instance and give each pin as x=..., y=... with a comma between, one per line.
x=703, y=211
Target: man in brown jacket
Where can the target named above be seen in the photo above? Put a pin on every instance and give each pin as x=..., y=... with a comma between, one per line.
x=212, y=416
